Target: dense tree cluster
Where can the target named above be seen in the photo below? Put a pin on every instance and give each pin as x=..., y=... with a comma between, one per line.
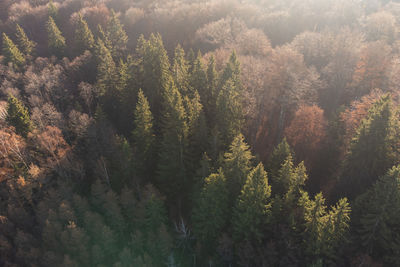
x=199, y=133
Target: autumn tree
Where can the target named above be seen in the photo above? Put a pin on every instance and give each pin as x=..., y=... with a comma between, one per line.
x=373, y=149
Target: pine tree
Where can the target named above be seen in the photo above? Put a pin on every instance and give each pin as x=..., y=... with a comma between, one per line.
x=143, y=136
x=212, y=80
x=116, y=36
x=232, y=72
x=198, y=80
x=237, y=165
x=253, y=209
x=27, y=46
x=84, y=39
x=155, y=72
x=18, y=116
x=197, y=137
x=180, y=71
x=211, y=210
x=376, y=219
x=373, y=150
x=11, y=53
x=56, y=41
x=52, y=10
x=171, y=165
x=281, y=152
x=229, y=113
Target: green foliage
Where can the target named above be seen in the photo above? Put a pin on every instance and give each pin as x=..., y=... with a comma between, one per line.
x=143, y=136
x=52, y=10
x=281, y=152
x=373, y=150
x=210, y=213
x=253, y=209
x=376, y=218
x=11, y=53
x=171, y=167
x=180, y=71
x=84, y=39
x=155, y=76
x=56, y=42
x=18, y=116
x=27, y=46
x=232, y=72
x=116, y=36
x=229, y=112
x=237, y=165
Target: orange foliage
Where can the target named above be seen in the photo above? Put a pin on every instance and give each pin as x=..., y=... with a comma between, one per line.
x=357, y=111
x=12, y=151
x=306, y=131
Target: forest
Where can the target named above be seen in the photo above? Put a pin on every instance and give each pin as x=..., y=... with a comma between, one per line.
x=190, y=133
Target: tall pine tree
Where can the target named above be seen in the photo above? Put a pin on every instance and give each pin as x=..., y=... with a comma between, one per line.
x=27, y=46
x=11, y=53
x=18, y=116
x=84, y=39
x=56, y=42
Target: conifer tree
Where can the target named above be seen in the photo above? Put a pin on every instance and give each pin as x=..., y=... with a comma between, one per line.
x=253, y=209
x=232, y=72
x=155, y=72
x=84, y=39
x=211, y=210
x=237, y=165
x=116, y=36
x=373, y=150
x=11, y=53
x=18, y=116
x=180, y=71
x=198, y=80
x=27, y=46
x=377, y=216
x=212, y=80
x=56, y=41
x=107, y=73
x=281, y=152
x=197, y=137
x=143, y=136
x=229, y=112
x=171, y=165
x=52, y=10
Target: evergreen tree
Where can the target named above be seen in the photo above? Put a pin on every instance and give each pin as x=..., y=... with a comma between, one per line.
x=373, y=150
x=18, y=116
x=198, y=80
x=116, y=36
x=212, y=80
x=27, y=46
x=232, y=72
x=377, y=219
x=281, y=152
x=143, y=136
x=11, y=53
x=253, y=209
x=229, y=113
x=211, y=211
x=237, y=165
x=56, y=41
x=154, y=72
x=180, y=71
x=52, y=10
x=84, y=39
x=171, y=165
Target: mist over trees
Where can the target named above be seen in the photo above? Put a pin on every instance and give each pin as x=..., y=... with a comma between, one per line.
x=199, y=133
